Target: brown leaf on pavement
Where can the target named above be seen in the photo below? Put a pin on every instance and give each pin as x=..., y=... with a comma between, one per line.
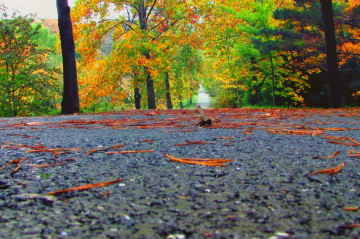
x=351, y=208
x=54, y=151
x=327, y=157
x=353, y=225
x=339, y=140
x=353, y=153
x=130, y=151
x=85, y=187
x=15, y=161
x=104, y=149
x=191, y=142
x=201, y=161
x=330, y=171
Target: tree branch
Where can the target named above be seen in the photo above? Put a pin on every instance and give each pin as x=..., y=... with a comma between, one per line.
x=152, y=7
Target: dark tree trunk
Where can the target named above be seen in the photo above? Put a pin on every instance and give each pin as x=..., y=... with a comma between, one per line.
x=181, y=104
x=137, y=99
x=167, y=89
x=273, y=81
x=150, y=91
x=149, y=82
x=70, y=102
x=331, y=57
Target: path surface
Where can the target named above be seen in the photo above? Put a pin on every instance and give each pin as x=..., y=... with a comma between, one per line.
x=267, y=191
x=203, y=98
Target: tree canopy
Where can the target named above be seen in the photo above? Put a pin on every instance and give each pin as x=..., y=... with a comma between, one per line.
x=263, y=52
x=243, y=52
x=28, y=66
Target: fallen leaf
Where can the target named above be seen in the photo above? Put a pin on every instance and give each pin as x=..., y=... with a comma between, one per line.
x=103, y=149
x=15, y=161
x=229, y=137
x=351, y=208
x=353, y=225
x=297, y=132
x=54, y=151
x=330, y=171
x=85, y=187
x=353, y=153
x=34, y=123
x=201, y=161
x=130, y=151
x=45, y=165
x=327, y=157
x=24, y=136
x=338, y=140
x=191, y=142
x=152, y=113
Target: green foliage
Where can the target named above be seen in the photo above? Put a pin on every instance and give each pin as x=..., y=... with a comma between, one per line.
x=44, y=175
x=28, y=73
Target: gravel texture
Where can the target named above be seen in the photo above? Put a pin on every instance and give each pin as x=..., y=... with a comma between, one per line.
x=267, y=191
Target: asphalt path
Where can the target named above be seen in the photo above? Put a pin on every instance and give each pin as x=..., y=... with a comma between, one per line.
x=270, y=189
x=203, y=98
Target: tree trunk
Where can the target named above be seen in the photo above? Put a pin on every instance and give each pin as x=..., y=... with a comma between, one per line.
x=167, y=89
x=70, y=102
x=273, y=80
x=331, y=57
x=181, y=104
x=137, y=99
x=150, y=91
x=149, y=81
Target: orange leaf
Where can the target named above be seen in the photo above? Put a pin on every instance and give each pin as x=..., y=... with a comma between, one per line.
x=46, y=165
x=353, y=225
x=229, y=137
x=330, y=171
x=353, y=153
x=297, y=132
x=14, y=161
x=85, y=187
x=35, y=123
x=152, y=113
x=354, y=142
x=130, y=152
x=351, y=208
x=54, y=151
x=181, y=130
x=103, y=149
x=201, y=161
x=191, y=142
x=327, y=157
x=17, y=168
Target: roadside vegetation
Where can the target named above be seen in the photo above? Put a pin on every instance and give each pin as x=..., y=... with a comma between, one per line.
x=263, y=53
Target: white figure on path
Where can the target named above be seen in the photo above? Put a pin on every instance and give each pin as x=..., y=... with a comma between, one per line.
x=203, y=98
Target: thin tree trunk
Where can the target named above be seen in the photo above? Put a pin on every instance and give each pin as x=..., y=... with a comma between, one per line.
x=70, y=102
x=331, y=57
x=181, y=104
x=150, y=91
x=273, y=80
x=137, y=98
x=167, y=89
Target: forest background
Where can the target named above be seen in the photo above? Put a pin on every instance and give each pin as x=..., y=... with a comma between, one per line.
x=245, y=53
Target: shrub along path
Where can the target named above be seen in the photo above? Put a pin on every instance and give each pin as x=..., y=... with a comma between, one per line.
x=286, y=174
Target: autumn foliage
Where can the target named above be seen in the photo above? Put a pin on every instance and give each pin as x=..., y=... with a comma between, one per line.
x=243, y=52
x=263, y=53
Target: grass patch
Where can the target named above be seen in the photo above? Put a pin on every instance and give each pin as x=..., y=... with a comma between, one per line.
x=213, y=102
x=188, y=105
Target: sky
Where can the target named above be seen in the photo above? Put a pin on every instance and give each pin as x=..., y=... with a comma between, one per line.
x=43, y=8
